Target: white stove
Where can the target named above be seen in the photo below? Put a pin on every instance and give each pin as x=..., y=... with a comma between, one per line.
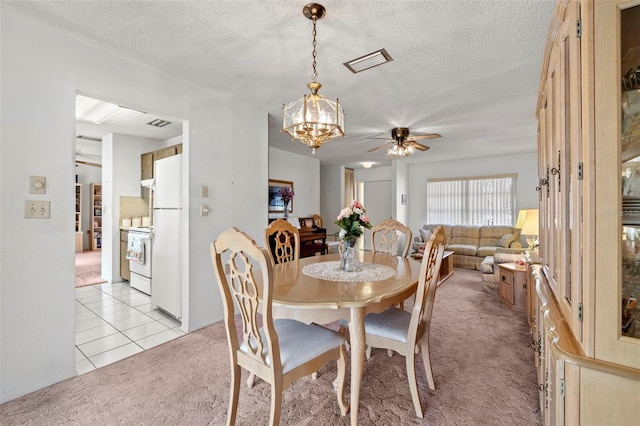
x=139, y=254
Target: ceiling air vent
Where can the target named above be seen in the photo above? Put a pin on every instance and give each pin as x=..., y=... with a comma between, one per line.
x=158, y=123
x=89, y=138
x=369, y=60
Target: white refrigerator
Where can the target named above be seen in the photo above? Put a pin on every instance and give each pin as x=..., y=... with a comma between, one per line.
x=166, y=262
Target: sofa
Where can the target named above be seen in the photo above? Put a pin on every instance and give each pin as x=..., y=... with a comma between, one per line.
x=471, y=245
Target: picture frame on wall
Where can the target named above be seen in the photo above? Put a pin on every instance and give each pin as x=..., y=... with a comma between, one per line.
x=276, y=205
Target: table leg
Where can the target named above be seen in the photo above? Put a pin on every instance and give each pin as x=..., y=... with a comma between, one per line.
x=357, y=342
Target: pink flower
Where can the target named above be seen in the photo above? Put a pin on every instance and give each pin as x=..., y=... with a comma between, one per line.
x=364, y=219
x=346, y=212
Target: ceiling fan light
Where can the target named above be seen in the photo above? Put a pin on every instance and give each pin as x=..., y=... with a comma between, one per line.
x=400, y=150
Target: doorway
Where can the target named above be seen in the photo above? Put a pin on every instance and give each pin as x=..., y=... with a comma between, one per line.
x=114, y=320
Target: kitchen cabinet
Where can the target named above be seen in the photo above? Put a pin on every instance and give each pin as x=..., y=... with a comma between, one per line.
x=147, y=160
x=124, y=262
x=587, y=350
x=96, y=216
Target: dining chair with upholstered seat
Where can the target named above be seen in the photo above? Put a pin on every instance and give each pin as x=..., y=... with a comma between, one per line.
x=283, y=241
x=385, y=238
x=278, y=351
x=408, y=332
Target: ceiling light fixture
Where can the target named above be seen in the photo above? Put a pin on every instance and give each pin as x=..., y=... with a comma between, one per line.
x=367, y=164
x=400, y=149
x=313, y=119
x=94, y=111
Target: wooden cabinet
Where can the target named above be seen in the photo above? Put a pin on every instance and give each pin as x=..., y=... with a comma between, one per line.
x=96, y=216
x=147, y=160
x=505, y=290
x=513, y=285
x=78, y=218
x=588, y=364
x=124, y=262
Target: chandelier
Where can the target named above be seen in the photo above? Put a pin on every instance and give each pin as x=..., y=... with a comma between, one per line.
x=400, y=150
x=313, y=119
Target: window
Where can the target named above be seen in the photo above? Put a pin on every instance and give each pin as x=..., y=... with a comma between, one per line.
x=472, y=201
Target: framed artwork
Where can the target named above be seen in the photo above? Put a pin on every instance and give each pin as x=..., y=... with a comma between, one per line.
x=276, y=204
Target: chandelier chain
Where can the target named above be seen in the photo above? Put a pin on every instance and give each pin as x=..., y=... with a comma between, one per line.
x=315, y=72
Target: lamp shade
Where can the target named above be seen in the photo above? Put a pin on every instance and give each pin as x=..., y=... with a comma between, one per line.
x=528, y=222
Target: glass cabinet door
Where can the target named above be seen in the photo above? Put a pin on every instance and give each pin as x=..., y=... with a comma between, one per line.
x=630, y=170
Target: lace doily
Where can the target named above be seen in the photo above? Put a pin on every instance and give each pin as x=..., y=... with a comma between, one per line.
x=330, y=271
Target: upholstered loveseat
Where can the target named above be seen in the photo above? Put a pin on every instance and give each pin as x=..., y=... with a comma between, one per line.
x=472, y=244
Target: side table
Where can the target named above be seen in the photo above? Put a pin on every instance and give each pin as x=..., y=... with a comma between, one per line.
x=513, y=285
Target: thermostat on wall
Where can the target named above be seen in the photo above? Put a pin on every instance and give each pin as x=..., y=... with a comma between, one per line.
x=37, y=185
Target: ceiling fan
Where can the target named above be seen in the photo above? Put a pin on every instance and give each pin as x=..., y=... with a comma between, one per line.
x=401, y=144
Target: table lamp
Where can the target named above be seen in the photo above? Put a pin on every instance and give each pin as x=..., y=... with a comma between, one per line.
x=528, y=224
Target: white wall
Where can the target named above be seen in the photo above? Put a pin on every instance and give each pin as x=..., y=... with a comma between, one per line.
x=304, y=172
x=331, y=196
x=525, y=165
x=41, y=71
x=401, y=186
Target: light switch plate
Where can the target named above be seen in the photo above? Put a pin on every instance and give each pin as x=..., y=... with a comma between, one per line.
x=205, y=191
x=37, y=185
x=204, y=210
x=37, y=209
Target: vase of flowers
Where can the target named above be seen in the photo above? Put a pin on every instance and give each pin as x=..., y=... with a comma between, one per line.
x=286, y=195
x=352, y=222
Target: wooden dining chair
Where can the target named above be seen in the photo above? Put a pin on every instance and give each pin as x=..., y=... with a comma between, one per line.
x=385, y=238
x=408, y=332
x=280, y=351
x=283, y=241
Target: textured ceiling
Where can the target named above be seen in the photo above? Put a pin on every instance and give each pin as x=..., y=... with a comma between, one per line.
x=468, y=70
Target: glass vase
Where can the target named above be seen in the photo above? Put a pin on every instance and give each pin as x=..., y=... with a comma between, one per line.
x=349, y=261
x=286, y=210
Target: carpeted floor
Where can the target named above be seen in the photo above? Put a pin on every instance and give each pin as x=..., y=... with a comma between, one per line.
x=88, y=268
x=481, y=354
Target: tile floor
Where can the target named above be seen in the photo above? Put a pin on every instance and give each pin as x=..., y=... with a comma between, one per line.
x=114, y=321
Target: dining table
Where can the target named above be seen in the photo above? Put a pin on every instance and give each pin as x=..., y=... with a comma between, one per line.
x=314, y=290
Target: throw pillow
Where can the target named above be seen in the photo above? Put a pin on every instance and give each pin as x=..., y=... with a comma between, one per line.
x=425, y=234
x=506, y=240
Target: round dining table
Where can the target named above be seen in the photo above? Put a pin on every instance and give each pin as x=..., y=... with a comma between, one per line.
x=313, y=290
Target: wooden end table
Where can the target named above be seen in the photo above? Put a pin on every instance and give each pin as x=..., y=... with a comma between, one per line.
x=446, y=267
x=513, y=285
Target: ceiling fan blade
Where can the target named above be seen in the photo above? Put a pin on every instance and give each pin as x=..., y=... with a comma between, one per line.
x=428, y=136
x=417, y=145
x=384, y=139
x=379, y=146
